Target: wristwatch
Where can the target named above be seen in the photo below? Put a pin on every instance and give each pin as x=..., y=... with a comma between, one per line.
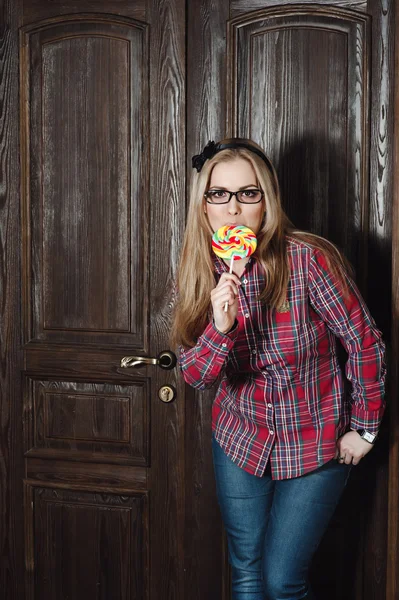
x=366, y=435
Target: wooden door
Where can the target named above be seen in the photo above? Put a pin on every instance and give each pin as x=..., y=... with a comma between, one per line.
x=102, y=212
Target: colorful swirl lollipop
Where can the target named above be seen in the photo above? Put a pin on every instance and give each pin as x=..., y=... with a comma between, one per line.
x=233, y=242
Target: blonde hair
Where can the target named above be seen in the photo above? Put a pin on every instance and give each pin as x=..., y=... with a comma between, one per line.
x=196, y=275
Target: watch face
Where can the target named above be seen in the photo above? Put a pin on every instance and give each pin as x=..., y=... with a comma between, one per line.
x=369, y=437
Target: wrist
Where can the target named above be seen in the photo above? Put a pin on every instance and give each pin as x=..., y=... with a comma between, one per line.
x=225, y=331
x=367, y=436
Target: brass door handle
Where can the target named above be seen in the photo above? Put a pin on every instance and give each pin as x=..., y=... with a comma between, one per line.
x=165, y=359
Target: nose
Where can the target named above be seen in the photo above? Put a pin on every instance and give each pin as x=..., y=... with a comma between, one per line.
x=234, y=206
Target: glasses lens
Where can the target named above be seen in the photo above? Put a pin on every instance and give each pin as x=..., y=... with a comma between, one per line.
x=218, y=196
x=250, y=196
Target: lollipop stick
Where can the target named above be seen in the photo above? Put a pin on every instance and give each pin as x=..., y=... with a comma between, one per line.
x=226, y=305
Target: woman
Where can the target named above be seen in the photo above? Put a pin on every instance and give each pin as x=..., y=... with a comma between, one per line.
x=284, y=437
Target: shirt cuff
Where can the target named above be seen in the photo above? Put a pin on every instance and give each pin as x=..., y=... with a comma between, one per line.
x=366, y=419
x=218, y=342
x=231, y=330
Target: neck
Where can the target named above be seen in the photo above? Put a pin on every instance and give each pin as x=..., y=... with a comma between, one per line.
x=238, y=266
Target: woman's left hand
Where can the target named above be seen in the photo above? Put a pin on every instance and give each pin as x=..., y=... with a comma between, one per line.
x=351, y=448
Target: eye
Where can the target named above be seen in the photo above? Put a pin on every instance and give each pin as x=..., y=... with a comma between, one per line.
x=249, y=193
x=218, y=194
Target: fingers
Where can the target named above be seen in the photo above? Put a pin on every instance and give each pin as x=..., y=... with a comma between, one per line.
x=222, y=296
x=345, y=459
x=348, y=457
x=229, y=276
x=351, y=449
x=226, y=290
x=229, y=279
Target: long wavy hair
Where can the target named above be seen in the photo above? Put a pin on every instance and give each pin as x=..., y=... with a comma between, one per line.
x=196, y=274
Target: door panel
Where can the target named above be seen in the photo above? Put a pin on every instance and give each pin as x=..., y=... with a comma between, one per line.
x=90, y=541
x=299, y=87
x=89, y=421
x=86, y=230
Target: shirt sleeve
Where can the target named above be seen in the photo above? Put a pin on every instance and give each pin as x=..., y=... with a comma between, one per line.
x=202, y=364
x=349, y=319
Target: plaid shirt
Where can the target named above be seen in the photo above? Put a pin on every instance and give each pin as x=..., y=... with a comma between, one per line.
x=281, y=394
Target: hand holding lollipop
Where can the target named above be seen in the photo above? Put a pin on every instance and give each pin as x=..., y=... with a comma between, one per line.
x=233, y=242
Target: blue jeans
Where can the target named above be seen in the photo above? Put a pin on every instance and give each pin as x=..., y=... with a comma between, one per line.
x=274, y=527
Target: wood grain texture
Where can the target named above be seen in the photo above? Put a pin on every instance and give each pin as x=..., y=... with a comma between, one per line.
x=381, y=162
x=307, y=71
x=86, y=476
x=379, y=286
x=11, y=459
x=84, y=212
x=167, y=192
x=206, y=56
x=90, y=530
x=36, y=10
x=87, y=166
x=68, y=364
x=392, y=590
x=88, y=419
x=205, y=555
x=101, y=363
x=244, y=6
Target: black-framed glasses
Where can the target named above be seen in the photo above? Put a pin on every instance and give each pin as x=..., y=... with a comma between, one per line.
x=250, y=196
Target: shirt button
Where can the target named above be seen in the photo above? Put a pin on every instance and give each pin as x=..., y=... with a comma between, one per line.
x=247, y=316
x=270, y=405
x=245, y=280
x=271, y=431
x=224, y=345
x=253, y=351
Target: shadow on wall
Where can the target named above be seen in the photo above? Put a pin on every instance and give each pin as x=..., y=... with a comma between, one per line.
x=318, y=193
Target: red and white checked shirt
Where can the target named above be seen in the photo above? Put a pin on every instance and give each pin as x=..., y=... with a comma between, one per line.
x=281, y=396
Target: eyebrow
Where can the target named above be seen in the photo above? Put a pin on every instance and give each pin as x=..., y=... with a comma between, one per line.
x=244, y=187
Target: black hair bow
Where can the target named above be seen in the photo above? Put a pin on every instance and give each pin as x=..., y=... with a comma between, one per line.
x=208, y=152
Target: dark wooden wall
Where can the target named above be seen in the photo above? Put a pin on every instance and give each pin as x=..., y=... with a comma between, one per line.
x=11, y=458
